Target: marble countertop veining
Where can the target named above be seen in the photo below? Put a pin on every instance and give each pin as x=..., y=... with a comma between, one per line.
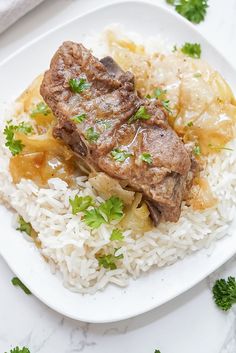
x=189, y=324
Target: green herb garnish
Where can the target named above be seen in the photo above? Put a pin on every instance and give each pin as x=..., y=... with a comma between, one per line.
x=224, y=293
x=192, y=49
x=197, y=75
x=117, y=235
x=24, y=226
x=160, y=94
x=79, y=118
x=146, y=157
x=78, y=85
x=91, y=135
x=19, y=350
x=17, y=282
x=193, y=10
x=157, y=351
x=197, y=150
x=190, y=124
x=80, y=203
x=109, y=261
x=141, y=114
x=111, y=209
x=120, y=155
x=41, y=109
x=15, y=146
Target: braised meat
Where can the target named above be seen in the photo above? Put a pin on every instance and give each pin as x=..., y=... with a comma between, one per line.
x=105, y=122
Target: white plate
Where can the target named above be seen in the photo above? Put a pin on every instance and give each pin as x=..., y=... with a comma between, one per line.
x=159, y=285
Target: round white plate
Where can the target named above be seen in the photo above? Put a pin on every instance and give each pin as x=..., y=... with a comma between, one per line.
x=159, y=285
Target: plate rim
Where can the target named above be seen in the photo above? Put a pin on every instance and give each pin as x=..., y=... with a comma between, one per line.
x=54, y=29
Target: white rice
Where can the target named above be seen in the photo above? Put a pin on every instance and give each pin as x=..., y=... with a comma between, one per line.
x=70, y=246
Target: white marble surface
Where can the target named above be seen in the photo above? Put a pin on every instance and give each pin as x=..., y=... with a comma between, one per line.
x=189, y=324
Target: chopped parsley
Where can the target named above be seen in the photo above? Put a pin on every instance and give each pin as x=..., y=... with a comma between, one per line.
x=24, y=226
x=108, y=261
x=117, y=235
x=17, y=282
x=79, y=118
x=146, y=157
x=197, y=75
x=197, y=150
x=120, y=155
x=218, y=148
x=78, y=85
x=141, y=114
x=157, y=351
x=192, y=49
x=93, y=218
x=193, y=10
x=160, y=94
x=224, y=293
x=190, y=124
x=111, y=209
x=19, y=350
x=91, y=135
x=41, y=109
x=80, y=203
x=15, y=146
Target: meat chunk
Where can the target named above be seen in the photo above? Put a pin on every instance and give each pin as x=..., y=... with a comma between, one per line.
x=127, y=137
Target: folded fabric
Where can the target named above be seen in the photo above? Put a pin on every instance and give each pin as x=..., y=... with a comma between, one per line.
x=12, y=10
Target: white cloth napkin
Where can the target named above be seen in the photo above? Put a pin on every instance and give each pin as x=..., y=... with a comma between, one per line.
x=12, y=10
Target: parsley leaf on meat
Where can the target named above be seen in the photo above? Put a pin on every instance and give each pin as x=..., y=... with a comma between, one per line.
x=41, y=109
x=78, y=85
x=91, y=135
x=17, y=282
x=193, y=10
x=146, y=157
x=160, y=94
x=79, y=118
x=192, y=49
x=80, y=203
x=224, y=293
x=24, y=226
x=141, y=114
x=120, y=155
x=117, y=235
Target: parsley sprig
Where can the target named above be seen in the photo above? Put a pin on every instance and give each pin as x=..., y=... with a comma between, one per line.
x=146, y=157
x=120, y=155
x=91, y=135
x=192, y=49
x=111, y=209
x=108, y=261
x=79, y=118
x=41, y=109
x=80, y=203
x=19, y=350
x=95, y=215
x=17, y=282
x=117, y=235
x=141, y=114
x=197, y=150
x=224, y=293
x=14, y=145
x=78, y=85
x=193, y=10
